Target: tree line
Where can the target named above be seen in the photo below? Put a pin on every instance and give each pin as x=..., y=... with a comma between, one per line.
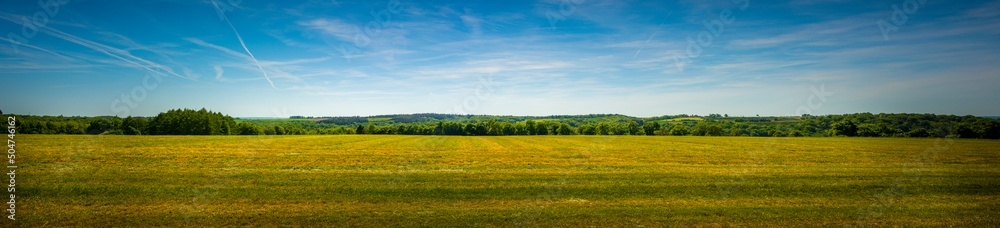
x=204, y=122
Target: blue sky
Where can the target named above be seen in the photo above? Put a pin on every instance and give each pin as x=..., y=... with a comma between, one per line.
x=640, y=58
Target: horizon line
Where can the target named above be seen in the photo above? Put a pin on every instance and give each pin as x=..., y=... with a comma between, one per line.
x=509, y=115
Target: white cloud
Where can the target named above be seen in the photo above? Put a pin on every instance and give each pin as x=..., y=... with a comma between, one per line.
x=334, y=27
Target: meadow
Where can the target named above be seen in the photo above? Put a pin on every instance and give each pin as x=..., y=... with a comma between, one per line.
x=459, y=181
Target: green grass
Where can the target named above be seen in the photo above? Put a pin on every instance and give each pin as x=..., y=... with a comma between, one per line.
x=686, y=119
x=364, y=180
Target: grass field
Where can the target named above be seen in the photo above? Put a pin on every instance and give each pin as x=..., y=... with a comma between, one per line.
x=685, y=119
x=364, y=180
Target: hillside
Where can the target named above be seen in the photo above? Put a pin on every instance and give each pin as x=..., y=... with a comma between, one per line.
x=204, y=122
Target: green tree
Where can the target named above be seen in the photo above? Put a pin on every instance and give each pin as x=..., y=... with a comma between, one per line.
x=191, y=122
x=603, y=128
x=99, y=126
x=134, y=125
x=844, y=128
x=650, y=128
x=249, y=129
x=918, y=133
x=713, y=130
x=564, y=129
x=587, y=130
x=679, y=130
x=633, y=128
x=508, y=129
x=438, y=129
x=541, y=129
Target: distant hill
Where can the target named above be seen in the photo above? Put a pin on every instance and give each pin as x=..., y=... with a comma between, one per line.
x=206, y=122
x=434, y=117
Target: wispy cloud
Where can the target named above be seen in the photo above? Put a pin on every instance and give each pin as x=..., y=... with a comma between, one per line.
x=602, y=56
x=105, y=49
x=343, y=31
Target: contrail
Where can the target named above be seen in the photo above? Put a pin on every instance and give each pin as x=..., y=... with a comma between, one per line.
x=645, y=43
x=36, y=48
x=650, y=37
x=108, y=50
x=238, y=37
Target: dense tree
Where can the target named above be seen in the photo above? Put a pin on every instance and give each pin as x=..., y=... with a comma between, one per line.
x=603, y=128
x=541, y=128
x=679, y=130
x=191, y=122
x=587, y=130
x=249, y=129
x=204, y=122
x=651, y=127
x=918, y=133
x=102, y=126
x=134, y=125
x=565, y=129
x=492, y=128
x=867, y=130
x=844, y=128
x=990, y=129
x=438, y=129
x=633, y=128
x=508, y=129
x=713, y=130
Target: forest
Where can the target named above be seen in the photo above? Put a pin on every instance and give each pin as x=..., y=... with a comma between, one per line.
x=205, y=122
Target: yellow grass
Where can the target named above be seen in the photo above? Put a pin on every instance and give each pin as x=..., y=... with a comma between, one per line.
x=365, y=180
